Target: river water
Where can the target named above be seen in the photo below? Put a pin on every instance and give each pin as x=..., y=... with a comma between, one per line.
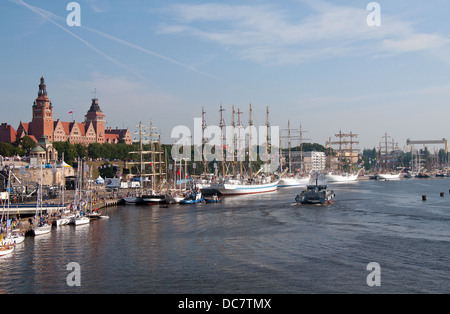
x=259, y=244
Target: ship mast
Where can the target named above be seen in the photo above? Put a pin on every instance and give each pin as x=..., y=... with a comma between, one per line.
x=267, y=131
x=204, y=141
x=240, y=141
x=222, y=125
x=250, y=144
x=233, y=125
x=346, y=154
x=301, y=148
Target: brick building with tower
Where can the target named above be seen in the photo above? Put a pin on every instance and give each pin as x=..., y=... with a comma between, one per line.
x=92, y=130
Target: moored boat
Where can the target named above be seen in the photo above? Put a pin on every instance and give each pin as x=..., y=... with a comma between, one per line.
x=174, y=199
x=240, y=187
x=293, y=182
x=14, y=238
x=6, y=249
x=132, y=200
x=81, y=220
x=63, y=220
x=344, y=177
x=214, y=199
x=388, y=176
x=43, y=229
x=152, y=200
x=193, y=198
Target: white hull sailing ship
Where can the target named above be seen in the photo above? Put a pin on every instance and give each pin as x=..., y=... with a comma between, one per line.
x=239, y=187
x=237, y=184
x=346, y=177
x=293, y=182
x=386, y=159
x=347, y=156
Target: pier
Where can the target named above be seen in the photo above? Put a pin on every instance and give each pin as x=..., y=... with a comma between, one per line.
x=103, y=200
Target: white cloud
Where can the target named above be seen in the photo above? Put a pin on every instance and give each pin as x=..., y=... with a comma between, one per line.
x=416, y=42
x=269, y=34
x=99, y=6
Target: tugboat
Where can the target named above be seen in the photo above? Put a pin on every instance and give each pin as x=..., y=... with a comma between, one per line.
x=315, y=194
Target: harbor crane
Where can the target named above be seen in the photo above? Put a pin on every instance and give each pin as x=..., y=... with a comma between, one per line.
x=443, y=141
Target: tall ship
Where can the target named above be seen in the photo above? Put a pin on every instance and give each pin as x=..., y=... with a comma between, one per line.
x=295, y=181
x=240, y=187
x=241, y=183
x=294, y=174
x=388, y=153
x=347, y=156
x=341, y=177
x=150, y=168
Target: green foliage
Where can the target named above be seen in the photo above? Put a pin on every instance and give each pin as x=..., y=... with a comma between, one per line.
x=107, y=170
x=6, y=149
x=95, y=151
x=68, y=149
x=369, y=157
x=24, y=145
x=311, y=147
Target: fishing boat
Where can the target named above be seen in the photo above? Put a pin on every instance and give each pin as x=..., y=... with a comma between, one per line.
x=315, y=194
x=193, y=198
x=241, y=187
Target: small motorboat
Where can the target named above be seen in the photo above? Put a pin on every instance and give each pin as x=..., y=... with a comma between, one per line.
x=193, y=198
x=43, y=229
x=81, y=220
x=6, y=249
x=94, y=215
x=214, y=199
x=63, y=220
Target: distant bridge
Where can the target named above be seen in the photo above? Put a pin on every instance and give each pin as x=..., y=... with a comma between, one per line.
x=442, y=142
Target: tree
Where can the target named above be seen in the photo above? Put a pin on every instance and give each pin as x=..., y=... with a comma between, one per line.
x=26, y=143
x=80, y=150
x=95, y=151
x=70, y=153
x=369, y=158
x=6, y=149
x=107, y=170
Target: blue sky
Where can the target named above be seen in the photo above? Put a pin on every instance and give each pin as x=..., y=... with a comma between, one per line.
x=313, y=62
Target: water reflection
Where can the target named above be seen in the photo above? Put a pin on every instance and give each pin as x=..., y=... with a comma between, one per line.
x=249, y=244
